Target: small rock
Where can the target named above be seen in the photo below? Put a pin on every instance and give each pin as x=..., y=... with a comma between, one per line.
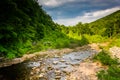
x=43, y=70
x=55, y=62
x=31, y=73
x=57, y=71
x=33, y=68
x=41, y=75
x=62, y=60
x=56, y=56
x=78, y=59
x=57, y=77
x=67, y=63
x=67, y=73
x=49, y=68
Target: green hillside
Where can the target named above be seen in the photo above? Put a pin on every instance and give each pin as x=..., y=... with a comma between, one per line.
x=107, y=26
x=25, y=28
x=100, y=30
x=22, y=23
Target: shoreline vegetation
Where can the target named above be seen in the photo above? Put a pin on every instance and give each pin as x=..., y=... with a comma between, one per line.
x=47, y=54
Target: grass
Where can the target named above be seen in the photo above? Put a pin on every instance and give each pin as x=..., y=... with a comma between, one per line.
x=113, y=71
x=55, y=40
x=105, y=58
x=95, y=38
x=116, y=42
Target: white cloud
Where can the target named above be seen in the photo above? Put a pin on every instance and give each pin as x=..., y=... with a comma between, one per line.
x=53, y=3
x=87, y=17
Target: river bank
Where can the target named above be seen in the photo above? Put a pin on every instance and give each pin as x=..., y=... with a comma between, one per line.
x=64, y=64
x=88, y=69
x=49, y=53
x=54, y=64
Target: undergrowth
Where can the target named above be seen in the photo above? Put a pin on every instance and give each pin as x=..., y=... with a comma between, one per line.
x=113, y=72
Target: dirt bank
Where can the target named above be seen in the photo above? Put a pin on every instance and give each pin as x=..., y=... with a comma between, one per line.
x=86, y=71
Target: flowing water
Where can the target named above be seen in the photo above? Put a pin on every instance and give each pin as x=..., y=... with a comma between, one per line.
x=38, y=68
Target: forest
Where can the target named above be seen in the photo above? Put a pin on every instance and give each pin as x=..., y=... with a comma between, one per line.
x=26, y=28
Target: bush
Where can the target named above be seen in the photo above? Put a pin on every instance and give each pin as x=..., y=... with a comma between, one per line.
x=116, y=42
x=113, y=73
x=105, y=58
x=84, y=41
x=10, y=55
x=95, y=38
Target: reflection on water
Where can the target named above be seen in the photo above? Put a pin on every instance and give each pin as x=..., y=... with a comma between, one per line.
x=49, y=69
x=15, y=72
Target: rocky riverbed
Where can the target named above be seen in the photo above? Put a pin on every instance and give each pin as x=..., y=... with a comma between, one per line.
x=87, y=70
x=54, y=65
x=48, y=53
x=115, y=52
x=64, y=64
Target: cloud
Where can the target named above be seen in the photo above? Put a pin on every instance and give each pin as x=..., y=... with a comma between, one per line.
x=70, y=12
x=71, y=8
x=53, y=3
x=86, y=17
x=56, y=3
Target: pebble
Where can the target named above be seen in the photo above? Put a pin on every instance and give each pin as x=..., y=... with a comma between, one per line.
x=57, y=72
x=49, y=68
x=62, y=60
x=55, y=62
x=57, y=77
x=41, y=75
x=115, y=52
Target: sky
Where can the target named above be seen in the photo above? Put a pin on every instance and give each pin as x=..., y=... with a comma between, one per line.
x=70, y=12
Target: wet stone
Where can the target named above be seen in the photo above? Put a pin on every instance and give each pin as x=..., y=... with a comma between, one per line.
x=62, y=60
x=55, y=62
x=41, y=75
x=49, y=68
x=57, y=72
x=56, y=68
x=58, y=77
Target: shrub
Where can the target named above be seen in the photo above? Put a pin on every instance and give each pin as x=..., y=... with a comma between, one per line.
x=105, y=58
x=95, y=38
x=113, y=73
x=10, y=55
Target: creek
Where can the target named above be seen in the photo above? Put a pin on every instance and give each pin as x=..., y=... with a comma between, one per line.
x=50, y=68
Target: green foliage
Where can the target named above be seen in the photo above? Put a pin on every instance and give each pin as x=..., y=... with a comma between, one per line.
x=22, y=22
x=113, y=73
x=95, y=38
x=104, y=27
x=54, y=40
x=84, y=41
x=107, y=26
x=115, y=42
x=105, y=58
x=25, y=27
x=10, y=55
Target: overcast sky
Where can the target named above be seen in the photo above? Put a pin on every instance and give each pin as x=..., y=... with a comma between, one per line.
x=70, y=12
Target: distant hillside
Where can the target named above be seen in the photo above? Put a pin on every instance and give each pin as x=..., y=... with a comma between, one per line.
x=107, y=26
